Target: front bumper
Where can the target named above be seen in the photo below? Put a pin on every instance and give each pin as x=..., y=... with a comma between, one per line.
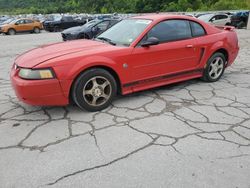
x=48, y=27
x=38, y=92
x=69, y=36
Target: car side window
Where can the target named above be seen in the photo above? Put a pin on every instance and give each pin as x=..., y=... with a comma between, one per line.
x=214, y=18
x=67, y=19
x=197, y=29
x=171, y=30
x=28, y=21
x=223, y=17
x=103, y=25
x=20, y=22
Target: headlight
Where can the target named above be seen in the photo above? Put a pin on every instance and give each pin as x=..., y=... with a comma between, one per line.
x=36, y=74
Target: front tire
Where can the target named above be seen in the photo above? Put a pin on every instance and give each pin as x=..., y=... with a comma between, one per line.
x=215, y=67
x=94, y=90
x=11, y=32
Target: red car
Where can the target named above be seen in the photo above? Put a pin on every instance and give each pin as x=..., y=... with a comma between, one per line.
x=136, y=54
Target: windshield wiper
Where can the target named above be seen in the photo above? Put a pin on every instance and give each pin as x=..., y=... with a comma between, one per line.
x=106, y=40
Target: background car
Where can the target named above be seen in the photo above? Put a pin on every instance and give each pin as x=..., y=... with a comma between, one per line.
x=21, y=25
x=239, y=20
x=89, y=30
x=216, y=19
x=59, y=23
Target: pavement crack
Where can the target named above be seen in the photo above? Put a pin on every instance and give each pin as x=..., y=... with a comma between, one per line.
x=102, y=165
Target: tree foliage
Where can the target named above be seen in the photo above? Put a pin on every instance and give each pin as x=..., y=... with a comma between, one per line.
x=121, y=6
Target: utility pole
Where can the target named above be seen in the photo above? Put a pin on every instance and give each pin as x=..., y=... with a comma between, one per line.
x=248, y=22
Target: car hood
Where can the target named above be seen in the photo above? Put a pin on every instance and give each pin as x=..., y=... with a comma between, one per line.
x=41, y=54
x=3, y=25
x=72, y=29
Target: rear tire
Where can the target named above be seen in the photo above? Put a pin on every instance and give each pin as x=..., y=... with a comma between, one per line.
x=36, y=30
x=215, y=67
x=94, y=90
x=11, y=32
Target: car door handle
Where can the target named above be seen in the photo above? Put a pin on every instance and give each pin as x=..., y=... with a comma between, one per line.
x=189, y=46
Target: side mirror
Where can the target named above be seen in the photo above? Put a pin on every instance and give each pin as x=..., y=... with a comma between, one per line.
x=16, y=23
x=150, y=42
x=212, y=20
x=94, y=29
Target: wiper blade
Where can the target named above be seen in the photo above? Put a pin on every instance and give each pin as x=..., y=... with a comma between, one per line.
x=107, y=40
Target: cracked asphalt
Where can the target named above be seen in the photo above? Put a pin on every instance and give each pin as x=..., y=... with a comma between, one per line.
x=190, y=134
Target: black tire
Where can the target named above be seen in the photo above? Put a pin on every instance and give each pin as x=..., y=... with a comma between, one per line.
x=57, y=29
x=210, y=75
x=36, y=30
x=94, y=94
x=11, y=32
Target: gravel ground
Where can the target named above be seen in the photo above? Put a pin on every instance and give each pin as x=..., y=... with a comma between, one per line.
x=191, y=134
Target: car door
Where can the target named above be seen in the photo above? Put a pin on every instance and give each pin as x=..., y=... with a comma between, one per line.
x=176, y=53
x=220, y=20
x=20, y=25
x=69, y=22
x=63, y=24
x=29, y=25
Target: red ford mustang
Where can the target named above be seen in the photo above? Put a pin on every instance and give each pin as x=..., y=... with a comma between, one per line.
x=136, y=54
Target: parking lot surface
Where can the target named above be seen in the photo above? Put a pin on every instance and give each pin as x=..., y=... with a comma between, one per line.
x=190, y=134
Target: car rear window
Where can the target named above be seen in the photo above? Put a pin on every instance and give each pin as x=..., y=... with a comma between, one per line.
x=197, y=29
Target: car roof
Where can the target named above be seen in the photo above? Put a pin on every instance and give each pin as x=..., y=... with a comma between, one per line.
x=24, y=19
x=156, y=17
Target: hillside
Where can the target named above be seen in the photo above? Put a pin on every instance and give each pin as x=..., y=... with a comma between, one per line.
x=111, y=6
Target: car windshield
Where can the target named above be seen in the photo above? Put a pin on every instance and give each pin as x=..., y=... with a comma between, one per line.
x=205, y=17
x=90, y=23
x=57, y=18
x=13, y=21
x=124, y=32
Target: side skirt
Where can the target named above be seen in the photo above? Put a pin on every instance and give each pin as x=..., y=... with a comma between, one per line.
x=161, y=80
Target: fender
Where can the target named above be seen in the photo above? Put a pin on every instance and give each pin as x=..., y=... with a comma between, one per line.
x=89, y=62
x=84, y=64
x=215, y=47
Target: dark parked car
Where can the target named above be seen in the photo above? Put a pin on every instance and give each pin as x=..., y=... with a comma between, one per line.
x=240, y=19
x=60, y=23
x=89, y=30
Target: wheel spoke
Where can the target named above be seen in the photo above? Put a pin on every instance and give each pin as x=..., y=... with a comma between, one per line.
x=104, y=85
x=87, y=92
x=211, y=71
x=105, y=96
x=95, y=84
x=220, y=66
x=217, y=62
x=93, y=102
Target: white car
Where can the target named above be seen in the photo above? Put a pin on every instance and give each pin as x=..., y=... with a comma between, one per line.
x=216, y=19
